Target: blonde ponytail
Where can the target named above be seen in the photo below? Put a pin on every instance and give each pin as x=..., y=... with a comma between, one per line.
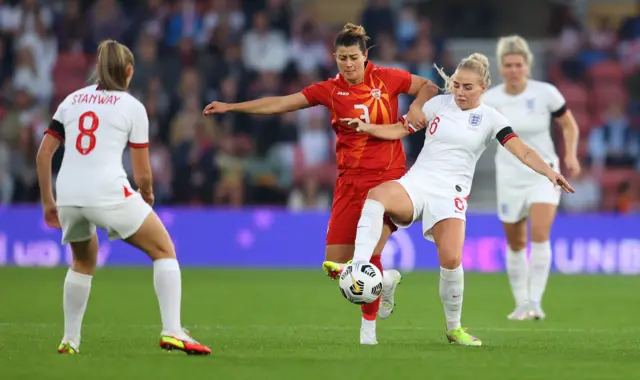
x=113, y=61
x=477, y=62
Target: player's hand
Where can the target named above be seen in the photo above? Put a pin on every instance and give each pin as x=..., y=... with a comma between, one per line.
x=572, y=164
x=148, y=197
x=559, y=180
x=356, y=124
x=51, y=216
x=216, y=107
x=417, y=118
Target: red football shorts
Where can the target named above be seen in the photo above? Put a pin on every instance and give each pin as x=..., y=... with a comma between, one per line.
x=350, y=192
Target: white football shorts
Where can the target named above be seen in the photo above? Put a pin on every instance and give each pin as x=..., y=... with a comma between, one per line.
x=120, y=221
x=431, y=206
x=514, y=202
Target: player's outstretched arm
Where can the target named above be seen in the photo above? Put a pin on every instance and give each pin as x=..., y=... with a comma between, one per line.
x=382, y=131
x=48, y=147
x=264, y=106
x=532, y=159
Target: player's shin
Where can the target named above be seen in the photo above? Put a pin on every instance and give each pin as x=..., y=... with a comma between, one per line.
x=540, y=265
x=369, y=230
x=370, y=310
x=451, y=291
x=77, y=287
x=518, y=273
x=167, y=282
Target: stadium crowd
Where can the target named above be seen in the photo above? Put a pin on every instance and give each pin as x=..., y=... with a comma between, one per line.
x=189, y=52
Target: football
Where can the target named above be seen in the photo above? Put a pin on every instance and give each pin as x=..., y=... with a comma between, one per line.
x=361, y=283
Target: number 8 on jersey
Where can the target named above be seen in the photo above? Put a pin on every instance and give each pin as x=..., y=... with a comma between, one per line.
x=88, y=132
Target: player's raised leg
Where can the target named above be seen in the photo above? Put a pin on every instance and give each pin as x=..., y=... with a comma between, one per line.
x=76, y=290
x=518, y=267
x=153, y=238
x=449, y=238
x=541, y=216
x=372, y=216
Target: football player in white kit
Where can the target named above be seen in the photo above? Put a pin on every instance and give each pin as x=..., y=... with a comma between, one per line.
x=95, y=124
x=435, y=189
x=530, y=106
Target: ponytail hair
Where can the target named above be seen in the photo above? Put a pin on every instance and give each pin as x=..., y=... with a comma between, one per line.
x=351, y=35
x=113, y=61
x=477, y=62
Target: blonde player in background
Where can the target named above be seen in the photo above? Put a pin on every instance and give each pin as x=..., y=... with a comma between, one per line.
x=434, y=190
x=95, y=124
x=530, y=106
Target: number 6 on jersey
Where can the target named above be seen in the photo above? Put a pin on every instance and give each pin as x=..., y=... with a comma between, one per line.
x=89, y=132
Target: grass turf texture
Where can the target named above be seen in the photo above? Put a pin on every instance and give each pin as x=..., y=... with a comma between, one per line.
x=296, y=325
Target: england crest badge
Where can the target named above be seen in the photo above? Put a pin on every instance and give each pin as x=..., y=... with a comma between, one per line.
x=531, y=104
x=475, y=119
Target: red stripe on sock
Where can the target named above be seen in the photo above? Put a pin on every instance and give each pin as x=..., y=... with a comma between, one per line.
x=370, y=311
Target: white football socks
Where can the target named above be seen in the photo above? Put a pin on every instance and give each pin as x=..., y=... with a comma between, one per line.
x=540, y=265
x=77, y=288
x=167, y=282
x=518, y=273
x=451, y=290
x=369, y=230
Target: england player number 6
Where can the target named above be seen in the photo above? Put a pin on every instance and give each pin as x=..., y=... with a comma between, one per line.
x=433, y=127
x=365, y=112
x=87, y=132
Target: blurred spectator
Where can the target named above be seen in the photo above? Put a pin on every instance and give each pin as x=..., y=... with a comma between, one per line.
x=264, y=49
x=6, y=178
x=220, y=13
x=70, y=27
x=630, y=28
x=184, y=23
x=407, y=27
x=279, y=14
x=310, y=51
x=105, y=20
x=627, y=198
x=378, y=18
x=23, y=167
x=310, y=196
x=615, y=143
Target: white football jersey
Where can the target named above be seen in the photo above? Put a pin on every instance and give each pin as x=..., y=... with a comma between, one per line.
x=454, y=141
x=530, y=115
x=98, y=126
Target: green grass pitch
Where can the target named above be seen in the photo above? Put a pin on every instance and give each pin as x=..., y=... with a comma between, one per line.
x=295, y=325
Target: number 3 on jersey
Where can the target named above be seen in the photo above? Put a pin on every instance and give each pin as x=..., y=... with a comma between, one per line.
x=89, y=132
x=365, y=112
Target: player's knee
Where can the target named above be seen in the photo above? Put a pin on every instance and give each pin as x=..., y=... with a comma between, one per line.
x=539, y=234
x=517, y=244
x=450, y=259
x=376, y=194
x=381, y=193
x=85, y=265
x=164, y=250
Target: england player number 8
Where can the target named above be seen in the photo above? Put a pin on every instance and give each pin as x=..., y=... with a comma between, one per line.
x=89, y=132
